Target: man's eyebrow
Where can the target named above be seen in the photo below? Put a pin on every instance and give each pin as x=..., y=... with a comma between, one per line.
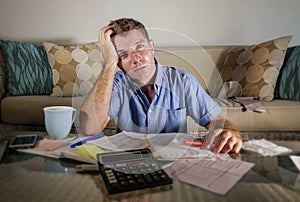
x=121, y=51
x=135, y=43
x=140, y=41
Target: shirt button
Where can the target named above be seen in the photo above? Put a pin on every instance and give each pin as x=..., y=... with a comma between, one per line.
x=150, y=110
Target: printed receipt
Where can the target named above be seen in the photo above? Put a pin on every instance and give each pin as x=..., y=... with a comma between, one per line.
x=296, y=161
x=217, y=175
x=265, y=147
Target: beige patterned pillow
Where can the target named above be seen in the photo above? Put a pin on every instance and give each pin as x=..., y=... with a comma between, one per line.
x=256, y=67
x=75, y=68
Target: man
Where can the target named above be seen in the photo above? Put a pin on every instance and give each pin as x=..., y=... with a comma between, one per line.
x=147, y=97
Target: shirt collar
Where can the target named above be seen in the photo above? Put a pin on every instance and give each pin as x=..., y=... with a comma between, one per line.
x=158, y=82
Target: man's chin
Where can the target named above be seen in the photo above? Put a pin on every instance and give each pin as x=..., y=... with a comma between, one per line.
x=139, y=79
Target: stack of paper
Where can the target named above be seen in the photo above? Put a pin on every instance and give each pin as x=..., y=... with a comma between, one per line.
x=88, y=151
x=61, y=149
x=121, y=142
x=265, y=147
x=170, y=146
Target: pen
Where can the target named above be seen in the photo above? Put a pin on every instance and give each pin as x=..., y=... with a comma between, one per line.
x=87, y=167
x=193, y=143
x=81, y=142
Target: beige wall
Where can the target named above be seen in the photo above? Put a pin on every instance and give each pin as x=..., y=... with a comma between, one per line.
x=172, y=22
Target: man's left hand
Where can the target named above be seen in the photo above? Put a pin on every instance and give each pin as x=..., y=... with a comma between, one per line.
x=222, y=136
x=229, y=141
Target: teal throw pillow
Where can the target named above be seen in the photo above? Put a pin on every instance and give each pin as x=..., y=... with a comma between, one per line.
x=2, y=82
x=2, y=76
x=288, y=81
x=28, y=69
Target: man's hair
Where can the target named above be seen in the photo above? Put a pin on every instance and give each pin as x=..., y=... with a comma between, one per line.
x=124, y=25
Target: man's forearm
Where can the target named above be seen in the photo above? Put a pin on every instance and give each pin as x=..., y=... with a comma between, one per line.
x=94, y=111
x=220, y=122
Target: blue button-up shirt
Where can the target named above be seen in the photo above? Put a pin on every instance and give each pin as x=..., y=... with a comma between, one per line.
x=178, y=94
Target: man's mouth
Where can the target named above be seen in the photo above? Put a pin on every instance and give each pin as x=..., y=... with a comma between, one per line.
x=140, y=68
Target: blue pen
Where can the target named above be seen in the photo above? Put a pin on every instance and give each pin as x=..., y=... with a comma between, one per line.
x=81, y=142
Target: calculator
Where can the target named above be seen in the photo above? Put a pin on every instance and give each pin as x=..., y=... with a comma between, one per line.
x=126, y=171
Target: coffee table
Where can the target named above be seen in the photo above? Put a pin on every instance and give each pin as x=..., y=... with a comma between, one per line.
x=25, y=177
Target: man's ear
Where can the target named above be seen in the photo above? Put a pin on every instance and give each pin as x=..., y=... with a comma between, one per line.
x=151, y=42
x=119, y=64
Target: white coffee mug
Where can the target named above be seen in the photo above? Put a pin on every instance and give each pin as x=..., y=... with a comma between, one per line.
x=59, y=120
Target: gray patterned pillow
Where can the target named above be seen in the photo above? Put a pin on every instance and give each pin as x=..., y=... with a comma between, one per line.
x=28, y=70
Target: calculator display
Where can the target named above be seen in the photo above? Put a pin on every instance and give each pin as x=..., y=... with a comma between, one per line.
x=124, y=156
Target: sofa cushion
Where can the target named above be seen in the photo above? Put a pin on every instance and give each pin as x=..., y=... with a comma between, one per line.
x=28, y=70
x=75, y=68
x=281, y=115
x=28, y=109
x=288, y=82
x=256, y=67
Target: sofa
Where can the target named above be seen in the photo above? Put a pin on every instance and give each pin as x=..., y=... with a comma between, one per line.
x=225, y=72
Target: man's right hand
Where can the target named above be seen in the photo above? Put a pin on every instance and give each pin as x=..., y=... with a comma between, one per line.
x=109, y=52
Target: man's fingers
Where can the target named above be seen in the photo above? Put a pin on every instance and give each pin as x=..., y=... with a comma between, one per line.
x=228, y=143
x=108, y=50
x=237, y=147
x=225, y=137
x=104, y=34
x=211, y=138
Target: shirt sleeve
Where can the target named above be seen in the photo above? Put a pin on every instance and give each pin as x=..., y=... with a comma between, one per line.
x=200, y=106
x=115, y=101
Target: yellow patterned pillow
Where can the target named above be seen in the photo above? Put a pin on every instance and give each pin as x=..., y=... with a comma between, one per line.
x=75, y=68
x=256, y=67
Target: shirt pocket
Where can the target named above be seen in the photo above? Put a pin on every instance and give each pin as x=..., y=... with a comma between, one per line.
x=176, y=120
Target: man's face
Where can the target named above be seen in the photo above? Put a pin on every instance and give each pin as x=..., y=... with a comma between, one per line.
x=136, y=56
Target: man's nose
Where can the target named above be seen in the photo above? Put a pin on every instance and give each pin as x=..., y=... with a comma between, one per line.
x=135, y=56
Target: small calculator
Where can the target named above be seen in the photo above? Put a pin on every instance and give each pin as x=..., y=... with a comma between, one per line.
x=125, y=171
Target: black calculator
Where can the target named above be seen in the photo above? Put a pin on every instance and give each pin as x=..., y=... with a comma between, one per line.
x=125, y=171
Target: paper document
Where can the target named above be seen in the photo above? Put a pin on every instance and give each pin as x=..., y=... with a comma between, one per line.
x=121, y=141
x=89, y=151
x=217, y=176
x=296, y=161
x=170, y=146
x=58, y=149
x=265, y=147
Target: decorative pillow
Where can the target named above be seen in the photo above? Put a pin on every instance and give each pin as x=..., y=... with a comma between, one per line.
x=288, y=82
x=256, y=67
x=75, y=68
x=28, y=70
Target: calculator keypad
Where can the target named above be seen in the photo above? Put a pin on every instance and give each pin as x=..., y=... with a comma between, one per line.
x=128, y=176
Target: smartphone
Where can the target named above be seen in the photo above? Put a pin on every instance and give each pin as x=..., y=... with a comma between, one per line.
x=23, y=141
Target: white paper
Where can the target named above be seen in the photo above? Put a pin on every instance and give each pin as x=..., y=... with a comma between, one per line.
x=296, y=161
x=265, y=147
x=170, y=146
x=217, y=176
x=121, y=141
x=62, y=152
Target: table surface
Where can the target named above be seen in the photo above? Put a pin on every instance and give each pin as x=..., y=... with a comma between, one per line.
x=25, y=177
